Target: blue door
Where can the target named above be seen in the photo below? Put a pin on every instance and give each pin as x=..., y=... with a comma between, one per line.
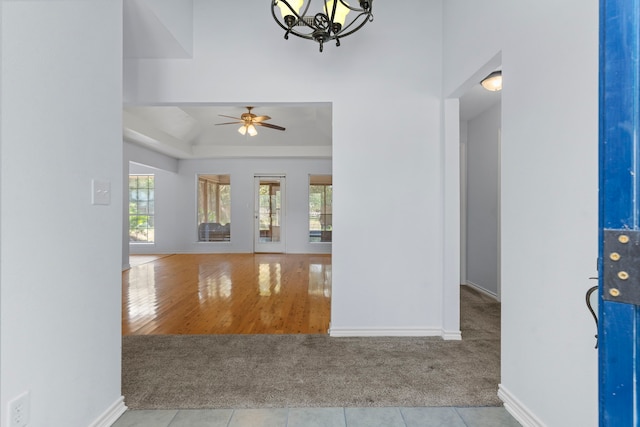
x=619, y=258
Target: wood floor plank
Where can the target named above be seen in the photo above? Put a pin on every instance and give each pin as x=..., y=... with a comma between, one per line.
x=227, y=294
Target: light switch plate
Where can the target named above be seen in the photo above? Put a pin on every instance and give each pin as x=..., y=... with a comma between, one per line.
x=100, y=192
x=19, y=411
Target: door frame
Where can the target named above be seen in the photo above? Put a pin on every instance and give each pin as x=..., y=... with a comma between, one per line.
x=619, y=212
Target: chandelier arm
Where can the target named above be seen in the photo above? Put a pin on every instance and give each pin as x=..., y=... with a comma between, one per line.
x=299, y=17
x=300, y=21
x=355, y=9
x=331, y=15
x=303, y=36
x=273, y=13
x=368, y=17
x=274, y=3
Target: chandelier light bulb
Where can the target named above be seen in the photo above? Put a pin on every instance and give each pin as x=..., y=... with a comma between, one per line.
x=251, y=129
x=285, y=11
x=341, y=11
x=243, y=130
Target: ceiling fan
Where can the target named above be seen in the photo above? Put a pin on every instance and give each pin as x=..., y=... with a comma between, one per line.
x=249, y=121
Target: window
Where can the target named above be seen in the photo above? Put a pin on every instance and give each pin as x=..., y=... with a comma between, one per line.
x=320, y=208
x=214, y=208
x=141, y=208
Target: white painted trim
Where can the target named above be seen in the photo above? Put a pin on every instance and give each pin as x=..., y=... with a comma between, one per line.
x=451, y=335
x=125, y=267
x=481, y=290
x=520, y=412
x=463, y=207
x=499, y=213
x=111, y=415
x=385, y=332
x=450, y=187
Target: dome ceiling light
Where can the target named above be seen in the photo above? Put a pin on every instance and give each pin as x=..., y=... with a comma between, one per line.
x=493, y=81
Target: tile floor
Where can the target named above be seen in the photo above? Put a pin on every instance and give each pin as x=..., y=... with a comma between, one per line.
x=321, y=417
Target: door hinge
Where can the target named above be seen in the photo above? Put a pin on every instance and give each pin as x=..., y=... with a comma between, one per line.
x=621, y=265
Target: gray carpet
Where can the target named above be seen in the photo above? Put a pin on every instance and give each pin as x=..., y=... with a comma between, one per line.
x=259, y=371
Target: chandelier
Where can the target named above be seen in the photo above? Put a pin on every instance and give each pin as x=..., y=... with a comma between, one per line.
x=322, y=25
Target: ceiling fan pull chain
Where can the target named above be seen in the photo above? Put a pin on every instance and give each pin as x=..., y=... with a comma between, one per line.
x=321, y=44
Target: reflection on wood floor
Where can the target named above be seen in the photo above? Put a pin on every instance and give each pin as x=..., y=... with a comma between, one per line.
x=227, y=294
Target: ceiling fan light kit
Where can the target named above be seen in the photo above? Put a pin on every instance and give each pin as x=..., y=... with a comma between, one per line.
x=249, y=121
x=250, y=129
x=325, y=23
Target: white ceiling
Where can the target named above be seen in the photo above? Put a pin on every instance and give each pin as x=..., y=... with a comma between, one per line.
x=188, y=131
x=477, y=100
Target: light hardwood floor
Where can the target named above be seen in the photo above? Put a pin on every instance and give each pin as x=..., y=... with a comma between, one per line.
x=227, y=294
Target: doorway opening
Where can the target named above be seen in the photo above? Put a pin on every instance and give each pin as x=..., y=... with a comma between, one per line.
x=480, y=113
x=468, y=101
x=240, y=247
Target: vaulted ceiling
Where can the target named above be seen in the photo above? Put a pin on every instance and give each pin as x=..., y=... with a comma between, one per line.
x=188, y=131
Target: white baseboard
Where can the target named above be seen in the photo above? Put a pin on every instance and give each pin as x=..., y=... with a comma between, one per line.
x=451, y=335
x=111, y=415
x=482, y=290
x=385, y=332
x=520, y=412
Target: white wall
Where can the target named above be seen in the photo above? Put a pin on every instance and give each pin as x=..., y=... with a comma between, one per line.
x=549, y=193
x=60, y=122
x=166, y=20
x=176, y=228
x=483, y=167
x=386, y=174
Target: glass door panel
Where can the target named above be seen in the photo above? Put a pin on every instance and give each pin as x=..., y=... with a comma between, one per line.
x=269, y=214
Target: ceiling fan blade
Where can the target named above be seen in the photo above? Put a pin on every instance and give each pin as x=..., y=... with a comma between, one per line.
x=230, y=123
x=230, y=117
x=261, y=118
x=269, y=125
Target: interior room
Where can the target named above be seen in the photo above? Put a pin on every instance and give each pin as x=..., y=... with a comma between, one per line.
x=395, y=91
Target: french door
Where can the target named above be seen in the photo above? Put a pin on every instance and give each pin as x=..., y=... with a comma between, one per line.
x=269, y=214
x=619, y=233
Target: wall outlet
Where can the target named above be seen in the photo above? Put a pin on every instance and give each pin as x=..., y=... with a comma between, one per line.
x=19, y=411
